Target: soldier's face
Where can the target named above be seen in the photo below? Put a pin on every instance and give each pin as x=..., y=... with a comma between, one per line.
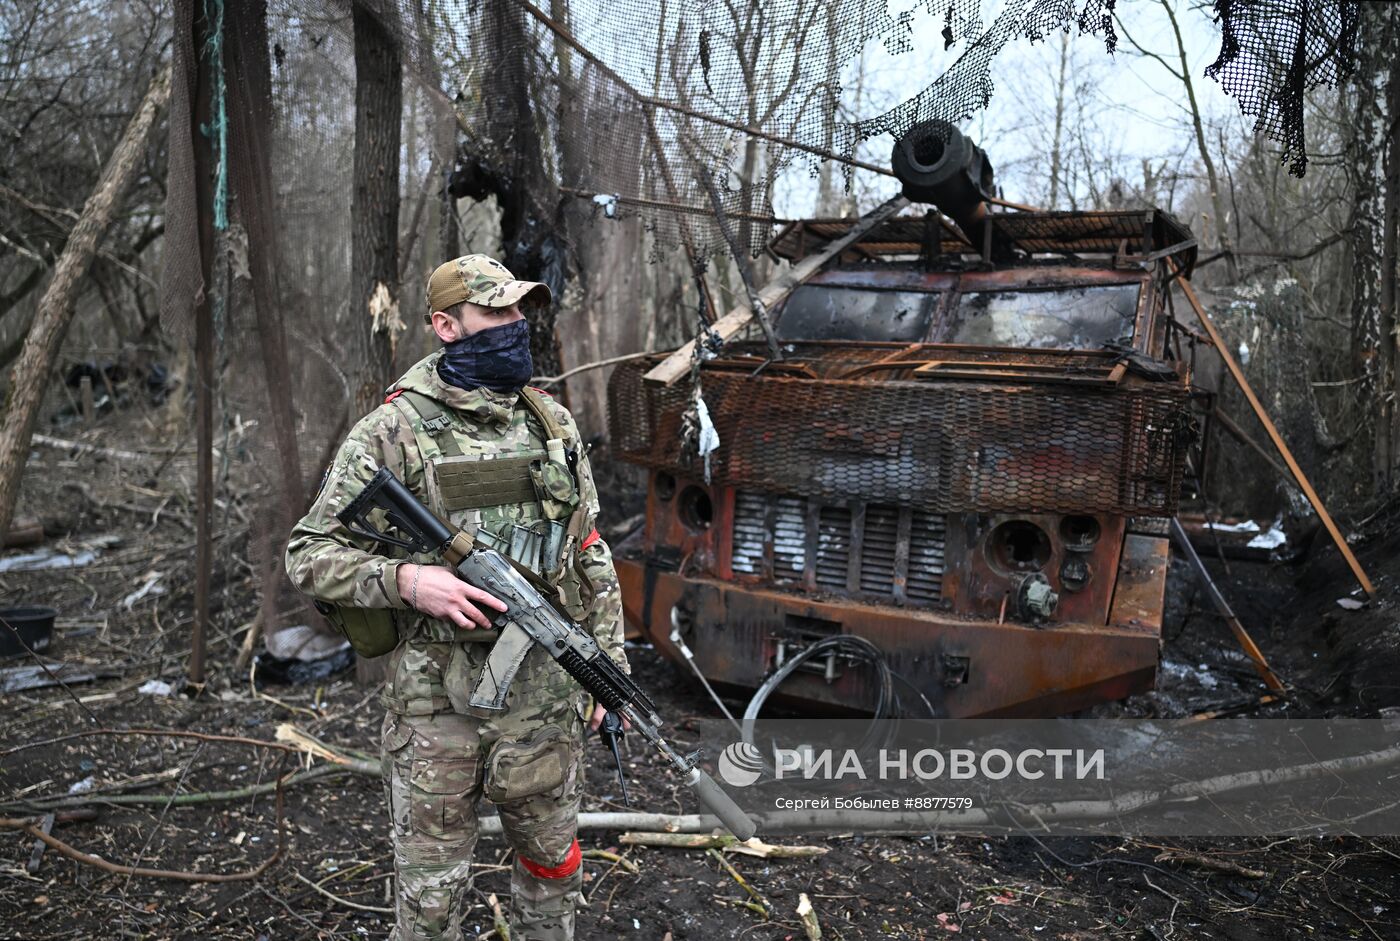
x=473, y=318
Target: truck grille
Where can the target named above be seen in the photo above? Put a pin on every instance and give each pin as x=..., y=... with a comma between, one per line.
x=796, y=541
x=938, y=445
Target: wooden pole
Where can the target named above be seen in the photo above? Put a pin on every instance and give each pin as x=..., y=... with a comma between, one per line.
x=678, y=363
x=55, y=311
x=85, y=397
x=1219, y=343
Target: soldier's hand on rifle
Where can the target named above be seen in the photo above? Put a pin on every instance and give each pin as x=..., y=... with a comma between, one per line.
x=598, y=713
x=441, y=594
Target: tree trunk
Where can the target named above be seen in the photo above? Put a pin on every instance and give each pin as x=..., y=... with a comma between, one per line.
x=28, y=379
x=374, y=222
x=1389, y=419
x=1217, y=201
x=1056, y=149
x=534, y=245
x=374, y=211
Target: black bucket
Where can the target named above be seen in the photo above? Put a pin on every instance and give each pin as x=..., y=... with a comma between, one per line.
x=33, y=623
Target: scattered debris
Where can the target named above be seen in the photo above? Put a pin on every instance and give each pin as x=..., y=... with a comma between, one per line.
x=156, y=688
x=149, y=587
x=47, y=559
x=608, y=202
x=303, y=642
x=269, y=669
x=37, y=854
x=14, y=679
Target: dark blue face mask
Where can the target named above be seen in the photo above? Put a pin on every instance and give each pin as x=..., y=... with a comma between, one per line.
x=497, y=358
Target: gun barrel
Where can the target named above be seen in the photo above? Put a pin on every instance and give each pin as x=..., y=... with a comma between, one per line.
x=707, y=791
x=721, y=804
x=938, y=165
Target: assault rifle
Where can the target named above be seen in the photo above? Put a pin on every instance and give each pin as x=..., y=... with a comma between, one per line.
x=530, y=618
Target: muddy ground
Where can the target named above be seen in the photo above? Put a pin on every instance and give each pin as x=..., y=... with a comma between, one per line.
x=337, y=855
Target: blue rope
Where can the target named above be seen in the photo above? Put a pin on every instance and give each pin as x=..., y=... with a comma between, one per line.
x=214, y=49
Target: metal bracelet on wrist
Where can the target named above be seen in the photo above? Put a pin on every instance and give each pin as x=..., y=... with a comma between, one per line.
x=413, y=600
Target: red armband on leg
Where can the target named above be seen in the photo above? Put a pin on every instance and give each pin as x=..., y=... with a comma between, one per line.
x=572, y=860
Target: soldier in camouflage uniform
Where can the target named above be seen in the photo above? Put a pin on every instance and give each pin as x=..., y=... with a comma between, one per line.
x=462, y=434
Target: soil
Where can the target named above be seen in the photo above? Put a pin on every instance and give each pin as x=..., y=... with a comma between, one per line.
x=1340, y=662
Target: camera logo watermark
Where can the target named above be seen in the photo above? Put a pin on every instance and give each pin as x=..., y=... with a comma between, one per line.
x=740, y=765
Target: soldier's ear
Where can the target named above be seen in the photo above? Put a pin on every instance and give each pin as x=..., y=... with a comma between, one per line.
x=446, y=326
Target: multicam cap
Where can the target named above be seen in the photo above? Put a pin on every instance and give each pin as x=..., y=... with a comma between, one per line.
x=480, y=279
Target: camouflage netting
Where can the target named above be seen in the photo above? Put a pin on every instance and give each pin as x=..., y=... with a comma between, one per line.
x=550, y=114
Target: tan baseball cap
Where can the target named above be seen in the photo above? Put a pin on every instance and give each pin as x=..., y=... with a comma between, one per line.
x=483, y=280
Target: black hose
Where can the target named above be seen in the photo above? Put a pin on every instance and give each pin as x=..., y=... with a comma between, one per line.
x=853, y=648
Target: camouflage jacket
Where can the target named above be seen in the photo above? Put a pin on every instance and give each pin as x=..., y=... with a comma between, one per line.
x=435, y=663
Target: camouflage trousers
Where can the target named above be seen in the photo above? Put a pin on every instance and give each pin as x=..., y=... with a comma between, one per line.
x=437, y=767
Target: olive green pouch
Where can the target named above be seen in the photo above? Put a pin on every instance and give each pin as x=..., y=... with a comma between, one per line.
x=516, y=770
x=554, y=487
x=371, y=631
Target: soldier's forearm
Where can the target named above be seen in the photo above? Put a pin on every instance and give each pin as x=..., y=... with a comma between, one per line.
x=604, y=621
x=329, y=571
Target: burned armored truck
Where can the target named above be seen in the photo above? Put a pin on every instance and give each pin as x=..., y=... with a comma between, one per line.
x=968, y=455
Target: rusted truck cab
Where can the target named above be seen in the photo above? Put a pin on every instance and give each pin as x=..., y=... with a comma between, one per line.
x=967, y=455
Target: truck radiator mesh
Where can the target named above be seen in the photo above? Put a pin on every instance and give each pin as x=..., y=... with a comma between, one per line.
x=939, y=448
x=765, y=523
x=833, y=548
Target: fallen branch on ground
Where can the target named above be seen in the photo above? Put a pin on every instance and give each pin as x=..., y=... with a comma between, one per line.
x=614, y=858
x=349, y=758
x=31, y=827
x=808, y=916
x=726, y=842
x=179, y=800
x=1209, y=862
x=346, y=902
x=160, y=733
x=497, y=916
x=760, y=904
